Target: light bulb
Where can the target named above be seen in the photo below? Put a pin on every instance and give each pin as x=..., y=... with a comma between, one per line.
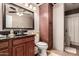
x=17, y=13
x=30, y=6
x=34, y=8
x=21, y=14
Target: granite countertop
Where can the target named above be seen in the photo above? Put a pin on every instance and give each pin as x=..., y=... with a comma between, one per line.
x=8, y=38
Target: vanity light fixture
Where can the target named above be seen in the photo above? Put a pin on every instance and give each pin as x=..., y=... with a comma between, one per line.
x=19, y=12
x=34, y=8
x=30, y=6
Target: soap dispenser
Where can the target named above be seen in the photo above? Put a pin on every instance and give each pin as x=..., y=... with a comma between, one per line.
x=11, y=35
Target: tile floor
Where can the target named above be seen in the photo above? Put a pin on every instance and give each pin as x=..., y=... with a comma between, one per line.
x=59, y=53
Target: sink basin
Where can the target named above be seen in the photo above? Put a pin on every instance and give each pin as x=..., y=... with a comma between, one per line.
x=20, y=34
x=2, y=36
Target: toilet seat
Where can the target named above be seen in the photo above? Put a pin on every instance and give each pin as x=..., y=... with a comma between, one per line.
x=41, y=44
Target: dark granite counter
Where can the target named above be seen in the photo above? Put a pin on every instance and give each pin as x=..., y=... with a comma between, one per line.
x=20, y=36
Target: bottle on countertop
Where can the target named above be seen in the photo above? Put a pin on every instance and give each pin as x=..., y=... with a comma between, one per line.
x=11, y=35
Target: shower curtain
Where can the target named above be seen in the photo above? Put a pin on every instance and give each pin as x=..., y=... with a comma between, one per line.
x=72, y=28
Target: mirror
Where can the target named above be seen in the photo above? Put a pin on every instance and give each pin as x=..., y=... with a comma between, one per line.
x=17, y=17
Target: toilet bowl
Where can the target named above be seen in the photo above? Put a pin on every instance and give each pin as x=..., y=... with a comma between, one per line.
x=42, y=47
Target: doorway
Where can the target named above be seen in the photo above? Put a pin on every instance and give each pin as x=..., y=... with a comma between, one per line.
x=71, y=28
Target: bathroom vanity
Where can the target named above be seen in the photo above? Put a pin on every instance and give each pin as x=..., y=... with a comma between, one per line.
x=22, y=45
x=17, y=46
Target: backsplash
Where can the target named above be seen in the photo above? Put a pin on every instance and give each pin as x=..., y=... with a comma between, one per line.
x=4, y=32
x=8, y=32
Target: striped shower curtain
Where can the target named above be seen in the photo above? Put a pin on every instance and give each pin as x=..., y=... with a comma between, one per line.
x=72, y=28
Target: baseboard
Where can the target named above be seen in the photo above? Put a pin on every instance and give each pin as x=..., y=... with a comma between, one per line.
x=75, y=43
x=74, y=46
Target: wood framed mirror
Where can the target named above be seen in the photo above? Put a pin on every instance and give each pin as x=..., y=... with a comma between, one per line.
x=17, y=17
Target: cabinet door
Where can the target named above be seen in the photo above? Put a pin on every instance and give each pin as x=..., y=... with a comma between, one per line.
x=46, y=24
x=43, y=15
x=29, y=48
x=18, y=50
x=4, y=52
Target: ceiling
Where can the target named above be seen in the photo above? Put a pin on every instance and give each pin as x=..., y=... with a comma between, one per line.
x=70, y=6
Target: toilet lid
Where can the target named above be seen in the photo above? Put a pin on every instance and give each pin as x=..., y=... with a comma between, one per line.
x=41, y=43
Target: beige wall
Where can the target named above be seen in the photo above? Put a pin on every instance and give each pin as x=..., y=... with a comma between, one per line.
x=58, y=26
x=0, y=16
x=36, y=21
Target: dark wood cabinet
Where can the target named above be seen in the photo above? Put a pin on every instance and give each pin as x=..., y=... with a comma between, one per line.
x=4, y=52
x=29, y=47
x=21, y=46
x=46, y=23
x=18, y=50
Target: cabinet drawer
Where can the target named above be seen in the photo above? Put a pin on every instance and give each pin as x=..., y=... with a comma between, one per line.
x=29, y=39
x=3, y=45
x=18, y=41
x=4, y=52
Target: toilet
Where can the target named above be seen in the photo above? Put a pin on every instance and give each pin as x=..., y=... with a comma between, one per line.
x=42, y=47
